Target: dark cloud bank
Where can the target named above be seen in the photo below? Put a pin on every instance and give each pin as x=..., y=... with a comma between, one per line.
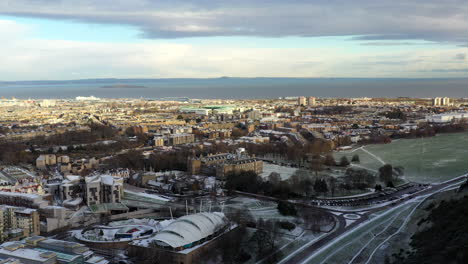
x=364, y=20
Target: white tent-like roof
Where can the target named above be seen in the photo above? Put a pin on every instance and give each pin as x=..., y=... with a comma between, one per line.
x=190, y=228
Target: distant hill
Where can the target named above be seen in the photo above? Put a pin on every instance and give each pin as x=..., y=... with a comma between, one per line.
x=235, y=88
x=124, y=86
x=130, y=80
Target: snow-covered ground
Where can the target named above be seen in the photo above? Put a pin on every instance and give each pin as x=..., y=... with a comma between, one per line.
x=258, y=209
x=427, y=160
x=284, y=171
x=148, y=195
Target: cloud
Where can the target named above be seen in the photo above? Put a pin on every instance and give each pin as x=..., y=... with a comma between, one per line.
x=30, y=58
x=395, y=43
x=446, y=70
x=431, y=20
x=26, y=57
x=10, y=30
x=460, y=56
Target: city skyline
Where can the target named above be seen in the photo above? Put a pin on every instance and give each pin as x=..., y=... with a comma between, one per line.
x=200, y=39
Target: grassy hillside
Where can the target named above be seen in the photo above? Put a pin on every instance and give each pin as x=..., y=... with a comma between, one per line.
x=443, y=234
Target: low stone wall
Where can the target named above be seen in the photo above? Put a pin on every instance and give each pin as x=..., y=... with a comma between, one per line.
x=105, y=244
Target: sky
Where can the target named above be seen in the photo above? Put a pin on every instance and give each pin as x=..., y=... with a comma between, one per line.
x=79, y=39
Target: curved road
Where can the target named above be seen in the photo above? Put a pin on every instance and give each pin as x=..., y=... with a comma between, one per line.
x=305, y=253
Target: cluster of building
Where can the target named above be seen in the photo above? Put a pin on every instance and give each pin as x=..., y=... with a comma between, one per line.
x=42, y=250
x=224, y=164
x=64, y=164
x=309, y=101
x=17, y=133
x=177, y=182
x=18, y=222
x=173, y=139
x=91, y=190
x=447, y=117
x=29, y=185
x=33, y=204
x=183, y=240
x=441, y=101
x=35, y=212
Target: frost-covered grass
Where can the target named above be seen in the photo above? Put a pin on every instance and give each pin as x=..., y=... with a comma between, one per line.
x=427, y=160
x=258, y=209
x=284, y=171
x=147, y=197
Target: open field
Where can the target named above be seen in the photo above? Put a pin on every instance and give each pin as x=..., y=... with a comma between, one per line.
x=284, y=171
x=427, y=160
x=259, y=209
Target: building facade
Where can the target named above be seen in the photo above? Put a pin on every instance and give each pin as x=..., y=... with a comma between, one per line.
x=441, y=101
x=18, y=222
x=301, y=100
x=223, y=164
x=311, y=101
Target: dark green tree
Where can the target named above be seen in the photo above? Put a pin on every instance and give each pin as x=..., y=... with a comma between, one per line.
x=330, y=160
x=286, y=208
x=356, y=158
x=386, y=173
x=320, y=186
x=378, y=188
x=344, y=161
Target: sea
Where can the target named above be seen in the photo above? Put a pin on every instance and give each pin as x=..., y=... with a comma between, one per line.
x=236, y=88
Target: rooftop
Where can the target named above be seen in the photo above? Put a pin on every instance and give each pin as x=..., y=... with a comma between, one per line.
x=189, y=229
x=17, y=250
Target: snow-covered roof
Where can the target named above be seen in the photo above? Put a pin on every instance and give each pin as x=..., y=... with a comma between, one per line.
x=97, y=260
x=21, y=195
x=17, y=250
x=73, y=178
x=95, y=179
x=26, y=211
x=73, y=202
x=191, y=228
x=104, y=179
x=107, y=179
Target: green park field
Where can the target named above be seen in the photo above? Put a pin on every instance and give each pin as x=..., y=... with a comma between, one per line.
x=426, y=160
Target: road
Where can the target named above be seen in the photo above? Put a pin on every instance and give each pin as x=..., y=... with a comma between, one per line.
x=304, y=254
x=381, y=204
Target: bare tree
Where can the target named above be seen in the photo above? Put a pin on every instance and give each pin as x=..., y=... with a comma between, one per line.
x=274, y=178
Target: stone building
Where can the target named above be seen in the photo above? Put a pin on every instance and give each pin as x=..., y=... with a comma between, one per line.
x=92, y=190
x=224, y=163
x=237, y=166
x=179, y=139
x=18, y=222
x=45, y=160
x=185, y=240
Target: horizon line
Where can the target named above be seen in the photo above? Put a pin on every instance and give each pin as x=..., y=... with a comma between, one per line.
x=233, y=77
